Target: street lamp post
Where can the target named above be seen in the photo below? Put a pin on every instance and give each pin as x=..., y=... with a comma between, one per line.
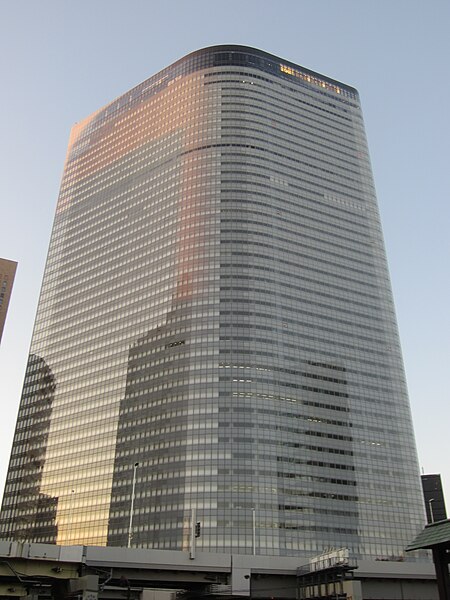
x=253, y=526
x=430, y=506
x=70, y=518
x=254, y=530
x=130, y=526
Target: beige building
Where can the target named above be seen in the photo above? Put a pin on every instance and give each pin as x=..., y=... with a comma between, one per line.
x=7, y=273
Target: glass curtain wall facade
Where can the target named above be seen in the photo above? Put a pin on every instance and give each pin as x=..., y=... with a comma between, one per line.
x=216, y=307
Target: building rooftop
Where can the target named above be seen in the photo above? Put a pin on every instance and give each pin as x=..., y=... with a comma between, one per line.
x=434, y=534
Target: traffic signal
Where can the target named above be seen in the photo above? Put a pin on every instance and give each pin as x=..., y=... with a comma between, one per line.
x=197, y=529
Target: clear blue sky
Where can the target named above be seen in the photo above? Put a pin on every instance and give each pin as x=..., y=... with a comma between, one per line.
x=62, y=59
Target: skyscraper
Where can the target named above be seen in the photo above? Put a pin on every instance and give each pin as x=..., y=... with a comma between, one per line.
x=7, y=274
x=433, y=496
x=216, y=320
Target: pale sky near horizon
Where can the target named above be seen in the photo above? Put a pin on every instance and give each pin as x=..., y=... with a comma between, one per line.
x=60, y=60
